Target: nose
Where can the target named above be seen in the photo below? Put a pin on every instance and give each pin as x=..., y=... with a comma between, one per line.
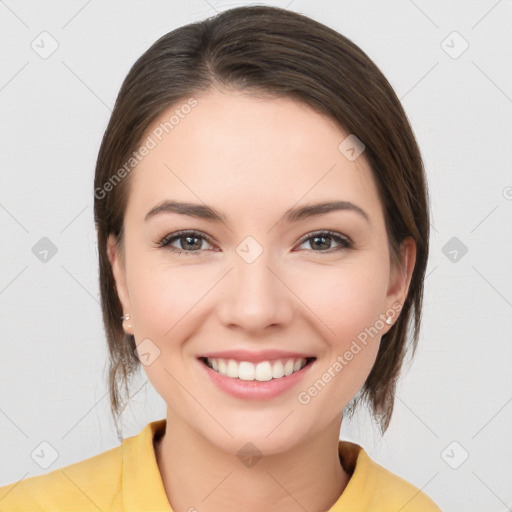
x=255, y=296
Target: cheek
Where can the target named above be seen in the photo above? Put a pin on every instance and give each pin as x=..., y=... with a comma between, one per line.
x=346, y=299
x=351, y=347
x=166, y=301
x=341, y=301
x=164, y=297
x=347, y=303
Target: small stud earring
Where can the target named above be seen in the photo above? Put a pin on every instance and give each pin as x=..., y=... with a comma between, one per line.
x=126, y=317
x=388, y=320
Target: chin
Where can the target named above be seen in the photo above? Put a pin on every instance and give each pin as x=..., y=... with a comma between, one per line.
x=268, y=437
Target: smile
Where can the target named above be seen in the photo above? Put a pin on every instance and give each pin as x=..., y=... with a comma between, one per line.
x=263, y=371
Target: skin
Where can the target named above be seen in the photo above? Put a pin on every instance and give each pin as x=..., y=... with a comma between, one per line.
x=252, y=159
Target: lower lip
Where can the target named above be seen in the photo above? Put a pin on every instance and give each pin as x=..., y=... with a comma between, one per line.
x=253, y=389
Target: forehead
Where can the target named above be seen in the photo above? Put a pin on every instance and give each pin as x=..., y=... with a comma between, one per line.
x=240, y=152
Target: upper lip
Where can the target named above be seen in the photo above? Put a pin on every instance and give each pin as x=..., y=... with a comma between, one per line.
x=256, y=357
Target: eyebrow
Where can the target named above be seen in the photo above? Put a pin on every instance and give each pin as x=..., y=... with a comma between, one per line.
x=292, y=215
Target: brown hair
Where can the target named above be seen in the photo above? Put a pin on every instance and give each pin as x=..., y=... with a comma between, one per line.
x=280, y=53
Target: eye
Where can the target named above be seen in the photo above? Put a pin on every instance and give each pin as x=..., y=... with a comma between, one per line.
x=189, y=242
x=321, y=239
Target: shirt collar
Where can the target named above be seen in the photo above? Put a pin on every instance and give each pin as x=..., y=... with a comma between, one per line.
x=357, y=463
x=143, y=488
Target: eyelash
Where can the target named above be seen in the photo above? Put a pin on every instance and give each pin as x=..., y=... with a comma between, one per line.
x=167, y=240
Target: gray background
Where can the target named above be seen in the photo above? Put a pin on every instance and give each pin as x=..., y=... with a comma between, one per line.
x=454, y=401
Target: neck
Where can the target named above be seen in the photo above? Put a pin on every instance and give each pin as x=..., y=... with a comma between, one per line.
x=198, y=475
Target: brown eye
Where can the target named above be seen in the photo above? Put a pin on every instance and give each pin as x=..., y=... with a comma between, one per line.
x=323, y=240
x=189, y=242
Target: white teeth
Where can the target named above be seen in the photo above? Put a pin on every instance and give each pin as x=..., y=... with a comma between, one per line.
x=263, y=371
x=288, y=367
x=277, y=370
x=246, y=371
x=232, y=370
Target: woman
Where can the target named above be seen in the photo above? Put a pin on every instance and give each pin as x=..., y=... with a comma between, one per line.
x=263, y=228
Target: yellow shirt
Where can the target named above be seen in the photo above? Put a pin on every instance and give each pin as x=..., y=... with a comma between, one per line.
x=127, y=479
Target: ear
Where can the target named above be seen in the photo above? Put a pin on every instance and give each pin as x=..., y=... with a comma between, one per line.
x=119, y=271
x=401, y=278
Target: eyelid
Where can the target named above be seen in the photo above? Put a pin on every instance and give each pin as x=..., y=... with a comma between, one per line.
x=334, y=234
x=166, y=241
x=181, y=234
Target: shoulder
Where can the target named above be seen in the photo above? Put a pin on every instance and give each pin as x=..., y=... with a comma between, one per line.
x=91, y=484
x=378, y=488
x=397, y=493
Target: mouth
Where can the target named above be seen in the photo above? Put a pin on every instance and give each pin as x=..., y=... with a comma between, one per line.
x=263, y=371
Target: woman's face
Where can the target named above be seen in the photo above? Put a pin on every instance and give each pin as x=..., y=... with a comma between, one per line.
x=261, y=279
